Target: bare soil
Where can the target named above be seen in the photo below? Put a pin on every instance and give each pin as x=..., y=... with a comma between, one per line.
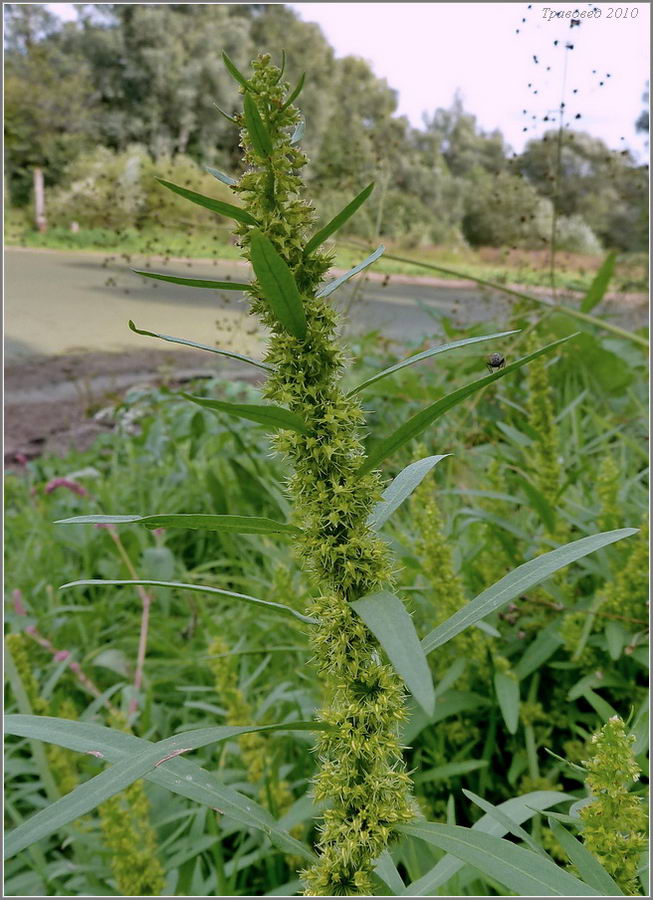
x=52, y=402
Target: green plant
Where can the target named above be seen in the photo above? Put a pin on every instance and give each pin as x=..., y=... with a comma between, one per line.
x=354, y=622
x=614, y=821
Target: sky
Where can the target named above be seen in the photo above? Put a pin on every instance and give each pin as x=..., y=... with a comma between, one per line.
x=496, y=56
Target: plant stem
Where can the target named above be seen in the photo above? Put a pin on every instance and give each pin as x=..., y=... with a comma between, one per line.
x=146, y=600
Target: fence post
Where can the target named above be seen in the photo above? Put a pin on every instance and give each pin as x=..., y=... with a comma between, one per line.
x=39, y=200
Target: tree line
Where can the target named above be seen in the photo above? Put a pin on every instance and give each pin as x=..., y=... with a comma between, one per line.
x=141, y=83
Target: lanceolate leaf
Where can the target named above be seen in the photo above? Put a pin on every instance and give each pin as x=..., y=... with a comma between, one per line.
x=426, y=354
x=401, y=488
x=298, y=133
x=329, y=288
x=270, y=605
x=174, y=340
x=225, y=179
x=200, y=522
x=599, y=285
x=217, y=206
x=339, y=220
x=194, y=282
x=272, y=417
x=235, y=73
x=256, y=127
x=419, y=422
x=518, y=869
x=386, y=617
x=517, y=582
x=511, y=826
x=295, y=94
x=519, y=809
x=507, y=688
x=278, y=285
x=226, y=115
x=585, y=862
x=132, y=759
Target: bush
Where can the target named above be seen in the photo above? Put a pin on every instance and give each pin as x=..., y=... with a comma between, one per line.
x=575, y=235
x=105, y=189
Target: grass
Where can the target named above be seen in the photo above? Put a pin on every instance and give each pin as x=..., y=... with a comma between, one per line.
x=574, y=664
x=526, y=267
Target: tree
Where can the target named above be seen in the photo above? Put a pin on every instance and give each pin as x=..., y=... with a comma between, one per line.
x=50, y=105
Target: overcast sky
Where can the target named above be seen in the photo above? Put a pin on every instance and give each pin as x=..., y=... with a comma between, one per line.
x=427, y=51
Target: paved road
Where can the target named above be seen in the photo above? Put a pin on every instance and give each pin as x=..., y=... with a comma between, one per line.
x=59, y=302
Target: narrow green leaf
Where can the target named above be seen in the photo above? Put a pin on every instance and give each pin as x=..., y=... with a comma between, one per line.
x=258, y=133
x=588, y=866
x=225, y=179
x=450, y=770
x=226, y=115
x=616, y=637
x=272, y=417
x=298, y=133
x=599, y=285
x=504, y=820
x=217, y=206
x=518, y=869
x=426, y=354
x=327, y=289
x=282, y=67
x=174, y=340
x=200, y=589
x=235, y=73
x=419, y=422
x=387, y=872
x=277, y=284
x=339, y=220
x=194, y=282
x=400, y=488
x=507, y=688
x=295, y=94
x=195, y=521
x=516, y=582
x=519, y=809
x=386, y=617
x=536, y=654
x=134, y=758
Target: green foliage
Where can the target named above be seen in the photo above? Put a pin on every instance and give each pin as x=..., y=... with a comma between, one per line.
x=614, y=821
x=489, y=732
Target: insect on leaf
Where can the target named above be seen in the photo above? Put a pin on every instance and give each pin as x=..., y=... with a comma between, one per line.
x=426, y=354
x=421, y=421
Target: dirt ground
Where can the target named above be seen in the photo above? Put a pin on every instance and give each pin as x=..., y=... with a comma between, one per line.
x=52, y=403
